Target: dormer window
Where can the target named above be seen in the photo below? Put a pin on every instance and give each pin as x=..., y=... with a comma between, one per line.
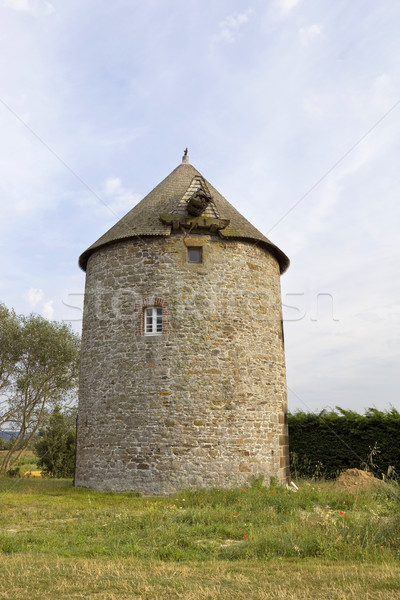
x=195, y=254
x=153, y=320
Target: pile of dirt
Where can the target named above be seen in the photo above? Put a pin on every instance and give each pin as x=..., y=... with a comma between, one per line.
x=354, y=479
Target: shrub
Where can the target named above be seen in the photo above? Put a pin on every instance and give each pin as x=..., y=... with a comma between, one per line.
x=56, y=445
x=329, y=442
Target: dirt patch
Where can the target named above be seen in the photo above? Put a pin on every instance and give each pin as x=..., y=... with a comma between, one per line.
x=356, y=479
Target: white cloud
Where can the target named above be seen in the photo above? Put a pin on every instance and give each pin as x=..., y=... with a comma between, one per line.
x=109, y=203
x=309, y=34
x=35, y=296
x=28, y=6
x=118, y=199
x=48, y=310
x=20, y=5
x=286, y=6
x=230, y=26
x=113, y=185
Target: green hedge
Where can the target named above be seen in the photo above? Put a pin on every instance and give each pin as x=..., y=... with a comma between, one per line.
x=324, y=444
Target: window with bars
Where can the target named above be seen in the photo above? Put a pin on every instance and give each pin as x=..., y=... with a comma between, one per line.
x=153, y=320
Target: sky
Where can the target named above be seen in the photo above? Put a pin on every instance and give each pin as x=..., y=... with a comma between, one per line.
x=290, y=108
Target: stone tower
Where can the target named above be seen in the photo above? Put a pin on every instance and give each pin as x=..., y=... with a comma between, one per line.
x=182, y=372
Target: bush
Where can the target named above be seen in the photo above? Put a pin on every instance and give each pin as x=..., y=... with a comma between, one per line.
x=15, y=472
x=327, y=443
x=56, y=445
x=6, y=444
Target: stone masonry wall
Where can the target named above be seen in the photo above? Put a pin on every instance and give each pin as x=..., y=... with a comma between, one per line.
x=203, y=404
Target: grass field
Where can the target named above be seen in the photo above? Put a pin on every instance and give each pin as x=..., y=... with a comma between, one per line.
x=320, y=542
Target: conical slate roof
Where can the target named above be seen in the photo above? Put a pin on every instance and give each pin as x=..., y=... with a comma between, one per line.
x=170, y=199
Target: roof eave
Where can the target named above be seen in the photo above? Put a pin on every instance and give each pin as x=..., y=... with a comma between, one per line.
x=84, y=257
x=280, y=256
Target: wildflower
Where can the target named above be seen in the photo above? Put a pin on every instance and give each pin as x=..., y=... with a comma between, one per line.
x=273, y=492
x=381, y=547
x=247, y=535
x=341, y=512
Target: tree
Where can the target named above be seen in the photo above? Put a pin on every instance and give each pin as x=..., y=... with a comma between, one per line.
x=10, y=353
x=41, y=372
x=56, y=444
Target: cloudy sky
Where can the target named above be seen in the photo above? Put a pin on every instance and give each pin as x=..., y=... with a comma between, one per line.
x=290, y=108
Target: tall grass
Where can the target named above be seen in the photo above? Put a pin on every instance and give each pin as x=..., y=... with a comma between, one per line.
x=51, y=518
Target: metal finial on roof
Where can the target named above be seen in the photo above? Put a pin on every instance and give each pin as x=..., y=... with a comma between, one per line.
x=185, y=157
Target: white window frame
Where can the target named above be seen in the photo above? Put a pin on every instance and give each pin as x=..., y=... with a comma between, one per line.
x=153, y=320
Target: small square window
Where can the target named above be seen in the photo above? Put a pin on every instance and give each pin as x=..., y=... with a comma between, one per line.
x=195, y=254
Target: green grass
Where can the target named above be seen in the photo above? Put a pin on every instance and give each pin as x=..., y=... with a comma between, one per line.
x=54, y=529
x=50, y=517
